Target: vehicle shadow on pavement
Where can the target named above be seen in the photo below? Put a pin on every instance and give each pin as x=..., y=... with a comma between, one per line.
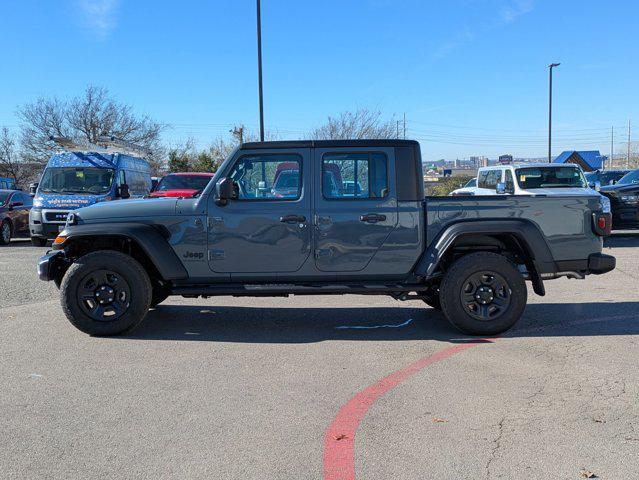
x=309, y=325
x=626, y=239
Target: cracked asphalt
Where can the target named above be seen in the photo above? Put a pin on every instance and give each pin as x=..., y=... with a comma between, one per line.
x=246, y=388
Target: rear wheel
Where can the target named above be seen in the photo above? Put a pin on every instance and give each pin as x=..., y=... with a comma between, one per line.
x=483, y=294
x=5, y=232
x=38, y=241
x=105, y=293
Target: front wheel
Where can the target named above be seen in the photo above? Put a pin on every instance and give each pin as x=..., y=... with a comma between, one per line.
x=105, y=293
x=483, y=294
x=5, y=233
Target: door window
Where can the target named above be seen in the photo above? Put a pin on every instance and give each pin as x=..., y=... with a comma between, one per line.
x=510, y=184
x=268, y=177
x=354, y=175
x=491, y=179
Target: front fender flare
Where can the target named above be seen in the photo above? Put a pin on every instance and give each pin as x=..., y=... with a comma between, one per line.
x=149, y=238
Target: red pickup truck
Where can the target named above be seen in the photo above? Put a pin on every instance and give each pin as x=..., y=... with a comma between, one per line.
x=185, y=184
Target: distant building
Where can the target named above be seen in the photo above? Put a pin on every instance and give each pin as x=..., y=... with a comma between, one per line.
x=483, y=162
x=588, y=160
x=505, y=159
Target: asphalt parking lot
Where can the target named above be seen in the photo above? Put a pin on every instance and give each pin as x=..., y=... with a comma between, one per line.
x=322, y=387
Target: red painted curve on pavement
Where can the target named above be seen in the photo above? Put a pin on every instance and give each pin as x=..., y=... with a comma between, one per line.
x=339, y=454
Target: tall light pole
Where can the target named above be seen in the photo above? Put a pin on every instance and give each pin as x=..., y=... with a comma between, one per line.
x=259, y=68
x=550, y=67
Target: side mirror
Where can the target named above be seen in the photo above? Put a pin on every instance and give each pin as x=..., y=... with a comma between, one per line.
x=33, y=187
x=501, y=188
x=123, y=191
x=597, y=185
x=224, y=191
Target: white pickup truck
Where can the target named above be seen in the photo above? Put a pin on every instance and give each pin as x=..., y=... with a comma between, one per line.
x=532, y=179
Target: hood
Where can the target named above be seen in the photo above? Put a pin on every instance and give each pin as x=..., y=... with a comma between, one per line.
x=69, y=202
x=183, y=192
x=124, y=210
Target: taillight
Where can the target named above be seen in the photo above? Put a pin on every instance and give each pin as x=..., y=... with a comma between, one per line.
x=602, y=223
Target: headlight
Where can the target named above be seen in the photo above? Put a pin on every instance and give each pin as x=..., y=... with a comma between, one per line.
x=605, y=204
x=37, y=202
x=629, y=198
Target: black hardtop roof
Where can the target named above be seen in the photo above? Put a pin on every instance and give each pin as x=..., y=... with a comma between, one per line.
x=329, y=144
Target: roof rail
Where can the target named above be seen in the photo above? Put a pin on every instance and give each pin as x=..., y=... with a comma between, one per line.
x=105, y=144
x=113, y=142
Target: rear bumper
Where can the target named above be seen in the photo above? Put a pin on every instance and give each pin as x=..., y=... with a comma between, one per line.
x=51, y=266
x=599, y=263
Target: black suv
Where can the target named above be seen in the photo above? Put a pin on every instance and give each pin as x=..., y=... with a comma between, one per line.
x=14, y=214
x=605, y=178
x=624, y=201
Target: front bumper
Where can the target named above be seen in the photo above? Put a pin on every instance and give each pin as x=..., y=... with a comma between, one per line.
x=599, y=263
x=52, y=266
x=625, y=216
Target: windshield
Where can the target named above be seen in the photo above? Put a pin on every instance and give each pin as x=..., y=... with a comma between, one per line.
x=71, y=180
x=605, y=178
x=550, y=177
x=182, y=182
x=471, y=183
x=4, y=196
x=630, y=178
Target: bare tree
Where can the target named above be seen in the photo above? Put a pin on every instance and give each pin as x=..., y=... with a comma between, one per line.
x=87, y=117
x=11, y=164
x=360, y=124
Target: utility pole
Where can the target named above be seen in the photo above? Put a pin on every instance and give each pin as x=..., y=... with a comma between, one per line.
x=397, y=128
x=404, y=125
x=238, y=132
x=628, y=157
x=550, y=67
x=259, y=68
x=612, y=147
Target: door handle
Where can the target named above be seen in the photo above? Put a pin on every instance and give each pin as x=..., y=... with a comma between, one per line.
x=372, y=218
x=293, y=219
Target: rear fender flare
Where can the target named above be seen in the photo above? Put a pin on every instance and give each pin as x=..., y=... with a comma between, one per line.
x=526, y=233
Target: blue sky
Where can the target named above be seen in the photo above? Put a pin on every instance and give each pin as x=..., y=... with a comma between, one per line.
x=470, y=75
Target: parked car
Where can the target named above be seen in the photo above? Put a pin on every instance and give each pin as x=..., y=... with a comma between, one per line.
x=78, y=179
x=467, y=189
x=599, y=178
x=7, y=183
x=624, y=198
x=469, y=256
x=181, y=184
x=14, y=215
x=535, y=179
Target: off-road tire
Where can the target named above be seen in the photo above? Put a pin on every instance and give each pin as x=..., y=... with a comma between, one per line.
x=124, y=266
x=6, y=232
x=38, y=242
x=455, y=286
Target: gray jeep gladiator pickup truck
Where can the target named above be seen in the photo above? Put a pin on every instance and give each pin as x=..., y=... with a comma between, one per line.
x=323, y=218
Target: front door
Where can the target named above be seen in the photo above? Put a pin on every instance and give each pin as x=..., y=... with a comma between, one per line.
x=355, y=206
x=266, y=229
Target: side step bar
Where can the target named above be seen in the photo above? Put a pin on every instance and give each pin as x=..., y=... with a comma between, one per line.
x=274, y=290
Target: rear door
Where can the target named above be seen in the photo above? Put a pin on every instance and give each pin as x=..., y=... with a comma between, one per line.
x=266, y=229
x=355, y=206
